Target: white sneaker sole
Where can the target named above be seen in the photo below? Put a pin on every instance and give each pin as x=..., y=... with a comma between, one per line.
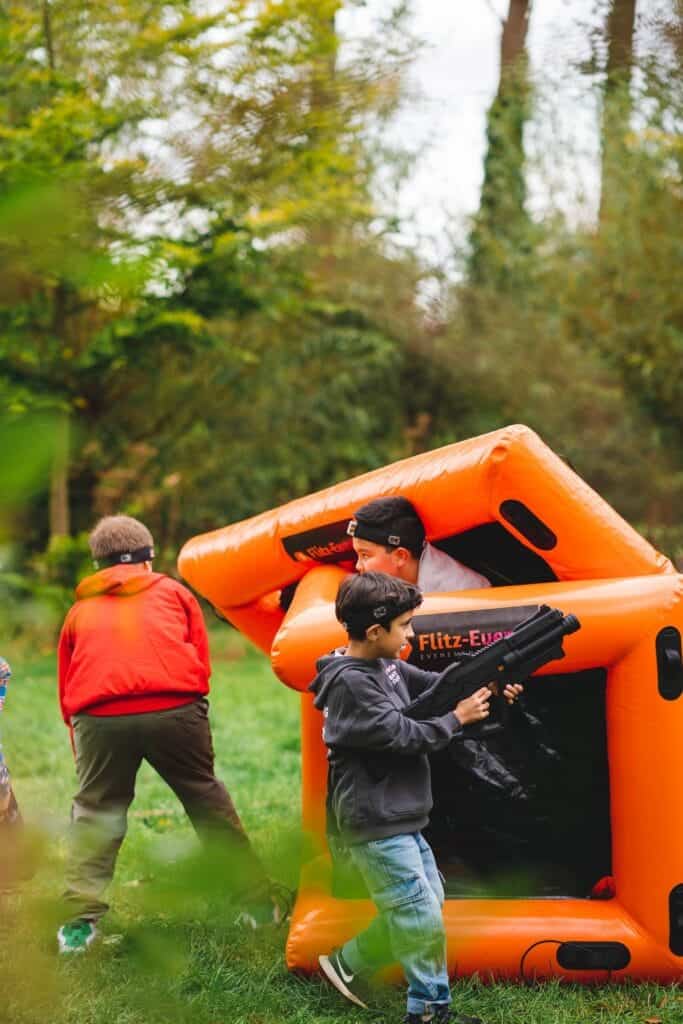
x=338, y=982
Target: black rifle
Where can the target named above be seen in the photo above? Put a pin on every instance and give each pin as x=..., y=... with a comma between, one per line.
x=534, y=642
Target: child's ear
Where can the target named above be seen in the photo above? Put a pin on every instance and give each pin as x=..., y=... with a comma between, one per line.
x=372, y=632
x=402, y=556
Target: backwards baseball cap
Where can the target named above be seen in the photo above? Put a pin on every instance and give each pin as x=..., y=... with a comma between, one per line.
x=392, y=522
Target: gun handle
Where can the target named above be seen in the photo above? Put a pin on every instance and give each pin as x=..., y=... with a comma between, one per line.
x=486, y=729
x=495, y=723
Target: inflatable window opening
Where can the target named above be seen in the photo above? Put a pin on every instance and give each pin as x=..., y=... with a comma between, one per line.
x=584, y=784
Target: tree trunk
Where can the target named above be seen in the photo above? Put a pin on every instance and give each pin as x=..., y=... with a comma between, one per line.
x=621, y=22
x=47, y=34
x=616, y=108
x=60, y=523
x=321, y=235
x=500, y=223
x=513, y=38
x=59, y=520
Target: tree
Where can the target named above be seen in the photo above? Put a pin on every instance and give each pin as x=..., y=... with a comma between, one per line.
x=78, y=84
x=179, y=256
x=500, y=228
x=285, y=272
x=617, y=103
x=585, y=342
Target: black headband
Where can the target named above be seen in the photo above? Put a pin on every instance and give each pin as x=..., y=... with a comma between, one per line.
x=365, y=531
x=145, y=554
x=382, y=614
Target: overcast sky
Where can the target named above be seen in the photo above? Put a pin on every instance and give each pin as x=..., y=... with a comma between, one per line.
x=457, y=75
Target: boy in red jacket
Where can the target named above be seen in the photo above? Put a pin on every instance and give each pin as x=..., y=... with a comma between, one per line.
x=133, y=677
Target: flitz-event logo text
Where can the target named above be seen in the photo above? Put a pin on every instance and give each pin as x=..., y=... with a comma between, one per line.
x=473, y=640
x=323, y=552
x=328, y=543
x=445, y=636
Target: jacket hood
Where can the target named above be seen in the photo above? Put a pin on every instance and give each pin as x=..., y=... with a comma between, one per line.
x=118, y=580
x=330, y=668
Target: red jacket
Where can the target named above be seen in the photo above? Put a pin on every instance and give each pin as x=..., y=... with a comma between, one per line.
x=134, y=641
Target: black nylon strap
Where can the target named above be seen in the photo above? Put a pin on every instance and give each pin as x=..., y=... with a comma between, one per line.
x=145, y=554
x=383, y=615
x=357, y=528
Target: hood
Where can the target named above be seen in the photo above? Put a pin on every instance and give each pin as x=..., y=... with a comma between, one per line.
x=330, y=668
x=118, y=580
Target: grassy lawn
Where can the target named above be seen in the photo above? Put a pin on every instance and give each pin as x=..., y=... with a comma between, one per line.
x=170, y=951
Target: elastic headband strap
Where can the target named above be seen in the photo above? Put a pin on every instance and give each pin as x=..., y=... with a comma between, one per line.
x=382, y=614
x=145, y=554
x=364, y=531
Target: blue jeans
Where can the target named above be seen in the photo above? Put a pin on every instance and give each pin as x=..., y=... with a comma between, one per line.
x=404, y=883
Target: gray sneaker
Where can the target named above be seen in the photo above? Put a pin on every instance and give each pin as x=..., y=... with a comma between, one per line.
x=336, y=970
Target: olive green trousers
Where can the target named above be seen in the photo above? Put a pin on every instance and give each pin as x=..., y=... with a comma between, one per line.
x=177, y=744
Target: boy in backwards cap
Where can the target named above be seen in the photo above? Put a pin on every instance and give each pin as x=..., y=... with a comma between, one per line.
x=133, y=677
x=389, y=536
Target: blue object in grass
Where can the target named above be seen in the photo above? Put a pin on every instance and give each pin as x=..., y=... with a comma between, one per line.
x=5, y=674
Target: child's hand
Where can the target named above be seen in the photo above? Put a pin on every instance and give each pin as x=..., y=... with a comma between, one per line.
x=512, y=692
x=474, y=708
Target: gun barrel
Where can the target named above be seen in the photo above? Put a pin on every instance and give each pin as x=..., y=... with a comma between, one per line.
x=571, y=624
x=540, y=652
x=537, y=624
x=548, y=643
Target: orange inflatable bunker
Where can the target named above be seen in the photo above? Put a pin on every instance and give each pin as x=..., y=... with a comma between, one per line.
x=588, y=784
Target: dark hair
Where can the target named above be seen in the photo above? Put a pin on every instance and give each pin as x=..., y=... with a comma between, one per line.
x=393, y=522
x=373, y=597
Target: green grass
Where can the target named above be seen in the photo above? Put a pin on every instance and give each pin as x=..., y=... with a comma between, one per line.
x=172, y=953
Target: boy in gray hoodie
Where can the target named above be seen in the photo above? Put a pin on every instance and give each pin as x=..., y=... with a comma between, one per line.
x=379, y=791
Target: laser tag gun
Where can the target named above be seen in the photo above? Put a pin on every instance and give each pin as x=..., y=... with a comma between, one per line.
x=533, y=643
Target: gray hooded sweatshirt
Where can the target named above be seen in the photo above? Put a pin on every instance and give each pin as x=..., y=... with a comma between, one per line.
x=379, y=782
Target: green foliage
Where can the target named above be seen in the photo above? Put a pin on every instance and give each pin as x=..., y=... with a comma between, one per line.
x=638, y=321
x=199, y=288
x=32, y=610
x=501, y=231
x=171, y=954
x=323, y=405
x=584, y=342
x=66, y=561
x=25, y=453
x=159, y=294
